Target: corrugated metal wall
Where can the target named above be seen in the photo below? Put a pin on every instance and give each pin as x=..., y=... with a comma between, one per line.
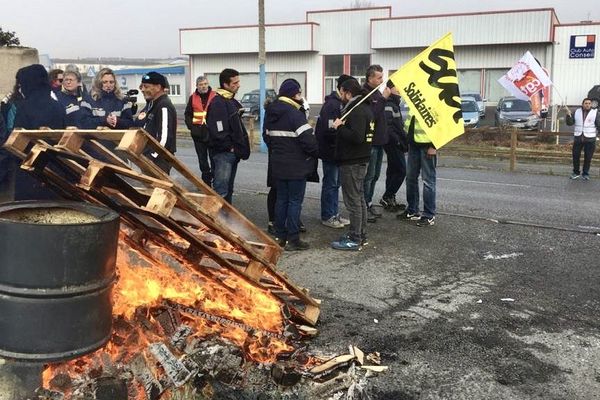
x=307, y=62
x=574, y=77
x=468, y=57
x=495, y=28
x=346, y=32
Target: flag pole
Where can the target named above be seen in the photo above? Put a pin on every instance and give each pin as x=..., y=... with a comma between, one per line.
x=363, y=99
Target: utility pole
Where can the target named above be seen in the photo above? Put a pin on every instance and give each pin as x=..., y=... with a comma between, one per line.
x=262, y=59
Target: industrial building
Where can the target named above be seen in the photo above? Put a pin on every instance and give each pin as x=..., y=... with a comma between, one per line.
x=328, y=43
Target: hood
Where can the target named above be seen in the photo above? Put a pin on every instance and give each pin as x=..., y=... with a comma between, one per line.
x=276, y=110
x=32, y=79
x=333, y=96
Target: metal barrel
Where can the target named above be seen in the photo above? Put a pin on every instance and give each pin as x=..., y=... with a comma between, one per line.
x=57, y=270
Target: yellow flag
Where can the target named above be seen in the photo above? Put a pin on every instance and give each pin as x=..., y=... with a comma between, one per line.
x=429, y=85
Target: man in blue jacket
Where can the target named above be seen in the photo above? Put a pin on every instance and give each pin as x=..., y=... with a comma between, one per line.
x=326, y=134
x=228, y=139
x=293, y=156
x=394, y=151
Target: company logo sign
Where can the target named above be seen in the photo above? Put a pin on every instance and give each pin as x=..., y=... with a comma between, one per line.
x=582, y=46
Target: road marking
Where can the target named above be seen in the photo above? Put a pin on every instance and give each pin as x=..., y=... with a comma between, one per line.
x=484, y=183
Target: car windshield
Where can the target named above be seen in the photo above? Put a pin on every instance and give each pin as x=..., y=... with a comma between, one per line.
x=476, y=96
x=516, y=105
x=250, y=98
x=469, y=106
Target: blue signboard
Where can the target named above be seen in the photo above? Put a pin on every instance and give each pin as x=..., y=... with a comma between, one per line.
x=582, y=46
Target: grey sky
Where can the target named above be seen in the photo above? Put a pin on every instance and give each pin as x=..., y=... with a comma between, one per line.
x=135, y=28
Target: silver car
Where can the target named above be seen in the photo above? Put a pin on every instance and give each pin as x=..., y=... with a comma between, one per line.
x=516, y=113
x=478, y=99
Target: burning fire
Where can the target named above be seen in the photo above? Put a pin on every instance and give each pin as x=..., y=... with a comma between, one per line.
x=239, y=311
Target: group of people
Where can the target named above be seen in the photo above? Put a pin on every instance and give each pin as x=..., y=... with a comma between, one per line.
x=58, y=100
x=356, y=126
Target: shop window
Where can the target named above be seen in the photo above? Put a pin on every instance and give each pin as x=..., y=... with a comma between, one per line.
x=359, y=64
x=334, y=65
x=174, y=90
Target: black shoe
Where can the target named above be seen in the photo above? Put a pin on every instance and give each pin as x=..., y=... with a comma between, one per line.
x=297, y=245
x=388, y=203
x=406, y=216
x=302, y=227
x=424, y=221
x=401, y=207
x=281, y=242
x=271, y=228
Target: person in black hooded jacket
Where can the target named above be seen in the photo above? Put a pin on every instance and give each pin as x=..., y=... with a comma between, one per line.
x=36, y=109
x=293, y=152
x=352, y=153
x=326, y=134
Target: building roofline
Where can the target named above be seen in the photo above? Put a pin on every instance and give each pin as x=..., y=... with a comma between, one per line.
x=246, y=26
x=389, y=8
x=470, y=13
x=579, y=24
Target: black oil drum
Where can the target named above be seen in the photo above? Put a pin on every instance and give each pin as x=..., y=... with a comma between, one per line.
x=57, y=269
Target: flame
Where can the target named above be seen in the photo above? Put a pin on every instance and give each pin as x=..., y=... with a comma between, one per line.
x=144, y=283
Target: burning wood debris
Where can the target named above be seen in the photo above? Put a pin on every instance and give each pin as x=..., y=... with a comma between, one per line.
x=177, y=333
x=200, y=310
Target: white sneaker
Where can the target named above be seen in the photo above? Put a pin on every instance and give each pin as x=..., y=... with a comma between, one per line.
x=343, y=221
x=333, y=223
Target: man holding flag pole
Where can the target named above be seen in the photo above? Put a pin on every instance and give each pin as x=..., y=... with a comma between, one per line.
x=429, y=85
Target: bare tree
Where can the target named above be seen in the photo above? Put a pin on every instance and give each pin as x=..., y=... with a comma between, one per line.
x=360, y=4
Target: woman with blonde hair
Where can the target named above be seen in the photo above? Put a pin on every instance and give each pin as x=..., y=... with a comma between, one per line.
x=107, y=103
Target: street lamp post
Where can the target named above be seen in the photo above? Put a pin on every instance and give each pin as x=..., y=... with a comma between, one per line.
x=262, y=59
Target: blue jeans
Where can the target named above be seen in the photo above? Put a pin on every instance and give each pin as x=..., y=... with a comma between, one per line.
x=290, y=194
x=396, y=170
x=224, y=170
x=330, y=190
x=373, y=171
x=419, y=163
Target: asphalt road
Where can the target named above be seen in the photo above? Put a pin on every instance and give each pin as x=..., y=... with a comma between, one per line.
x=499, y=300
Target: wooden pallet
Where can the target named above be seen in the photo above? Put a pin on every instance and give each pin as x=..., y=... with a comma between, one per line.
x=180, y=213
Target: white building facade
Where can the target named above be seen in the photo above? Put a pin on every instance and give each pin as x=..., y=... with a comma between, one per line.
x=331, y=42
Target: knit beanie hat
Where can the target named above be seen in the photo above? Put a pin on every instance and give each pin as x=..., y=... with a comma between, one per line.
x=289, y=88
x=155, y=78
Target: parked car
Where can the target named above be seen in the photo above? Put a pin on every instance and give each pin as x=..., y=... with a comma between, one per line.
x=594, y=95
x=470, y=112
x=480, y=101
x=251, y=101
x=516, y=113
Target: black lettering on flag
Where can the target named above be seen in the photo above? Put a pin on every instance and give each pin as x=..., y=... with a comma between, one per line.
x=449, y=90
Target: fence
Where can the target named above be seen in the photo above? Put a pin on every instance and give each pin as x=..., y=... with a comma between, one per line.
x=514, y=145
